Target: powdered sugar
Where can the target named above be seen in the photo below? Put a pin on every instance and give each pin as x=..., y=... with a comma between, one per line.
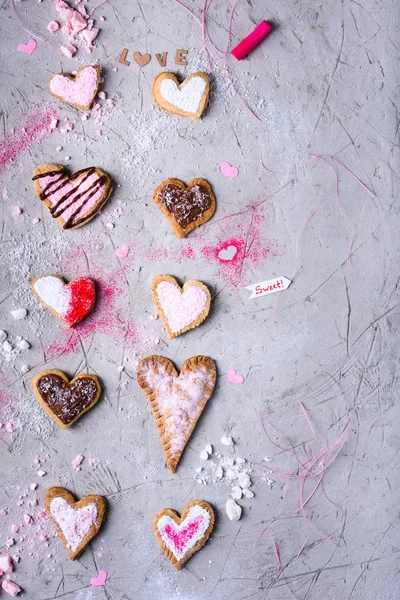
x=75, y=523
x=181, y=308
x=186, y=98
x=54, y=293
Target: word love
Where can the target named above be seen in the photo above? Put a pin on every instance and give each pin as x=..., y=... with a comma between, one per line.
x=268, y=287
x=143, y=59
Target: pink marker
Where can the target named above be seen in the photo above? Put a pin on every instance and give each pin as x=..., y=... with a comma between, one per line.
x=252, y=40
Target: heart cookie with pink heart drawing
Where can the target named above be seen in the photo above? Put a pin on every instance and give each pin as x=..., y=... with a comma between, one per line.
x=76, y=522
x=181, y=536
x=183, y=308
x=79, y=90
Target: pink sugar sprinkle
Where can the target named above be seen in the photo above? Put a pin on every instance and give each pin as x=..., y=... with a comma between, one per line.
x=36, y=126
x=122, y=251
x=28, y=519
x=53, y=26
x=43, y=538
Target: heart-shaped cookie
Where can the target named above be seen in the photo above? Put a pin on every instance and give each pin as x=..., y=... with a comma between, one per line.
x=70, y=302
x=79, y=90
x=74, y=200
x=177, y=399
x=65, y=401
x=180, y=537
x=76, y=522
x=186, y=207
x=188, y=99
x=181, y=309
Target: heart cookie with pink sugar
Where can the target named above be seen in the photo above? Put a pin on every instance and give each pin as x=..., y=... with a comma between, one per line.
x=180, y=537
x=181, y=309
x=76, y=522
x=79, y=90
x=70, y=302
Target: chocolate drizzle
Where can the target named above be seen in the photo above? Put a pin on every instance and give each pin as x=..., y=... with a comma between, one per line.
x=185, y=205
x=67, y=400
x=73, y=195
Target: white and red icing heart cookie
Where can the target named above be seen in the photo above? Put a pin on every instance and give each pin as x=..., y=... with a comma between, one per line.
x=180, y=537
x=181, y=309
x=188, y=99
x=74, y=200
x=70, y=302
x=177, y=399
x=79, y=90
x=76, y=522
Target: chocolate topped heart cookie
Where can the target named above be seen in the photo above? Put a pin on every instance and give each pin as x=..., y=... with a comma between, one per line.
x=65, y=401
x=186, y=207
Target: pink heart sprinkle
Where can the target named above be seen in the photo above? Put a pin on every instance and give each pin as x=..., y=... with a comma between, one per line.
x=100, y=580
x=228, y=170
x=122, y=251
x=27, y=48
x=234, y=377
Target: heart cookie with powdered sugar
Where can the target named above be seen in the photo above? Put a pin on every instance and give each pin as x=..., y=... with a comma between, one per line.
x=180, y=537
x=79, y=90
x=177, y=399
x=76, y=522
x=187, y=99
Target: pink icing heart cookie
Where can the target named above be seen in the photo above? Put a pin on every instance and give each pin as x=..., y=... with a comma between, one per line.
x=181, y=309
x=176, y=399
x=74, y=200
x=70, y=302
x=79, y=90
x=180, y=537
x=76, y=522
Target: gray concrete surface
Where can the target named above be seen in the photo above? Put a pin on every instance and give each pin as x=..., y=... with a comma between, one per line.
x=325, y=81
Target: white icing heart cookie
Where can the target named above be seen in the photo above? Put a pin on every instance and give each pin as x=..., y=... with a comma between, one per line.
x=180, y=537
x=177, y=399
x=76, y=522
x=181, y=309
x=188, y=99
x=79, y=90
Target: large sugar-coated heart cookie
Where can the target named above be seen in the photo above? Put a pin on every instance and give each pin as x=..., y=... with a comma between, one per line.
x=186, y=207
x=65, y=401
x=70, y=302
x=74, y=200
x=188, y=99
x=181, y=309
x=177, y=399
x=180, y=537
x=79, y=90
x=76, y=522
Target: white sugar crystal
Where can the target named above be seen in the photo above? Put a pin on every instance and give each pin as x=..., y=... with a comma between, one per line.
x=24, y=369
x=244, y=480
x=19, y=313
x=219, y=473
x=23, y=345
x=226, y=440
x=230, y=461
x=233, y=510
x=240, y=461
x=248, y=494
x=231, y=474
x=208, y=449
x=236, y=492
x=204, y=455
x=7, y=346
x=3, y=335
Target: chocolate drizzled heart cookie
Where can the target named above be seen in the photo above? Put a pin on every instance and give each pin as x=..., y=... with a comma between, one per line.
x=74, y=200
x=180, y=537
x=76, y=522
x=65, y=401
x=186, y=207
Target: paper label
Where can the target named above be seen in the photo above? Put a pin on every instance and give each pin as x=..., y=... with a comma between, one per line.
x=268, y=287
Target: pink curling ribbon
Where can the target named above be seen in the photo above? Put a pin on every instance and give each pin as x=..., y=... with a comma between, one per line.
x=252, y=40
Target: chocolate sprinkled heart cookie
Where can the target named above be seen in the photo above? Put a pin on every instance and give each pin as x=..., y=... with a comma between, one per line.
x=176, y=399
x=180, y=537
x=65, y=401
x=74, y=200
x=76, y=522
x=186, y=207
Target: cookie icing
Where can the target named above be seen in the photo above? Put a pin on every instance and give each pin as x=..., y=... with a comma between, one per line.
x=186, y=98
x=71, y=302
x=186, y=205
x=67, y=401
x=180, y=309
x=180, y=539
x=74, y=523
x=179, y=400
x=79, y=91
x=75, y=198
